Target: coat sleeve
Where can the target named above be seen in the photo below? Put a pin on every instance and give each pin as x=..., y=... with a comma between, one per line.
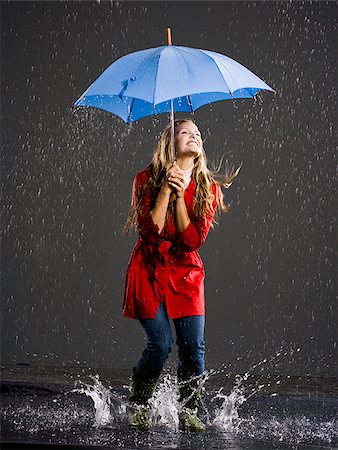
x=147, y=229
x=195, y=234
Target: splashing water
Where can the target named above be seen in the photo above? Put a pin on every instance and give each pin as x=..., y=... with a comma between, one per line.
x=109, y=407
x=223, y=412
x=164, y=404
x=226, y=415
x=266, y=417
x=231, y=412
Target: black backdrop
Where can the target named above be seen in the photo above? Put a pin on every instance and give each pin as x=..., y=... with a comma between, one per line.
x=67, y=174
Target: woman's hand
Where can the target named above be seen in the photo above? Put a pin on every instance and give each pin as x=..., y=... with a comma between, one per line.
x=175, y=180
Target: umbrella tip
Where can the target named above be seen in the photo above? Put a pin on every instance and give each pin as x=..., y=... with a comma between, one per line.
x=168, y=31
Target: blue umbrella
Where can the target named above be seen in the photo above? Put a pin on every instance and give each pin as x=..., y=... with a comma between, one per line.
x=167, y=79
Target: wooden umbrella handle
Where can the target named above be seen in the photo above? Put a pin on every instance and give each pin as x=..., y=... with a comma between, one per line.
x=168, y=30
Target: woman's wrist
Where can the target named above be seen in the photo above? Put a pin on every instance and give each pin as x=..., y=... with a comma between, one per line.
x=165, y=190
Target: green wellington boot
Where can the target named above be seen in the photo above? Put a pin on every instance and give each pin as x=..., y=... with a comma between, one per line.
x=189, y=397
x=138, y=407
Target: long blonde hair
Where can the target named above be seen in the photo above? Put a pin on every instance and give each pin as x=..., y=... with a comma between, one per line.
x=204, y=178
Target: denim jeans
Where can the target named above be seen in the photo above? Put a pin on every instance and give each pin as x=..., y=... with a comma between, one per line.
x=189, y=339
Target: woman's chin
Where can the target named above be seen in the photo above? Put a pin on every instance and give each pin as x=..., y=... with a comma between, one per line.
x=197, y=153
x=193, y=152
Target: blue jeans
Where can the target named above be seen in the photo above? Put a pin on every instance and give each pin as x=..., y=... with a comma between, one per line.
x=190, y=342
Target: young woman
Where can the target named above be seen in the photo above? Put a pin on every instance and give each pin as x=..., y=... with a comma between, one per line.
x=173, y=207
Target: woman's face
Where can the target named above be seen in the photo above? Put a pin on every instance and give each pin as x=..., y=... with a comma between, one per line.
x=188, y=140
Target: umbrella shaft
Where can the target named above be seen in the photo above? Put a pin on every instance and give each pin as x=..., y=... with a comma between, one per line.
x=172, y=130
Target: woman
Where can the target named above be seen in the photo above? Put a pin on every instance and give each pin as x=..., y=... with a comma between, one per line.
x=173, y=207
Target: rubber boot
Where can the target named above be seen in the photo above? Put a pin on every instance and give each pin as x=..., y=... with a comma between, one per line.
x=138, y=407
x=189, y=397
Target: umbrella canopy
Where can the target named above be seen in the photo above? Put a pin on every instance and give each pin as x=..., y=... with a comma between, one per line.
x=169, y=78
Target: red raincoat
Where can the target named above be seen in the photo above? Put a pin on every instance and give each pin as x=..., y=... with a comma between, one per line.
x=166, y=267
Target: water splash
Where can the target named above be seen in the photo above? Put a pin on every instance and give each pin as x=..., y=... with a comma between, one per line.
x=243, y=413
x=109, y=406
x=164, y=404
x=165, y=407
x=267, y=417
x=226, y=416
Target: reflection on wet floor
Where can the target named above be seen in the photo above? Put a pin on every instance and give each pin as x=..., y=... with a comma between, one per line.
x=86, y=407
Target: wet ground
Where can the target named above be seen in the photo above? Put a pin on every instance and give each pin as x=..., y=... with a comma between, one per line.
x=85, y=408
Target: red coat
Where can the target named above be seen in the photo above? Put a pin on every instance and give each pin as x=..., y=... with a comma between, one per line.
x=166, y=267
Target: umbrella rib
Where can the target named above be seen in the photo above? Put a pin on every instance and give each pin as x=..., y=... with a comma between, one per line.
x=155, y=84
x=131, y=109
x=245, y=90
x=190, y=103
x=252, y=96
x=210, y=57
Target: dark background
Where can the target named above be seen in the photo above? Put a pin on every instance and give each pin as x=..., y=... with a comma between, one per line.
x=67, y=174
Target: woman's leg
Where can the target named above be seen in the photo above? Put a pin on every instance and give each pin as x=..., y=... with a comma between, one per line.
x=149, y=367
x=159, y=343
x=191, y=346
x=190, y=341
